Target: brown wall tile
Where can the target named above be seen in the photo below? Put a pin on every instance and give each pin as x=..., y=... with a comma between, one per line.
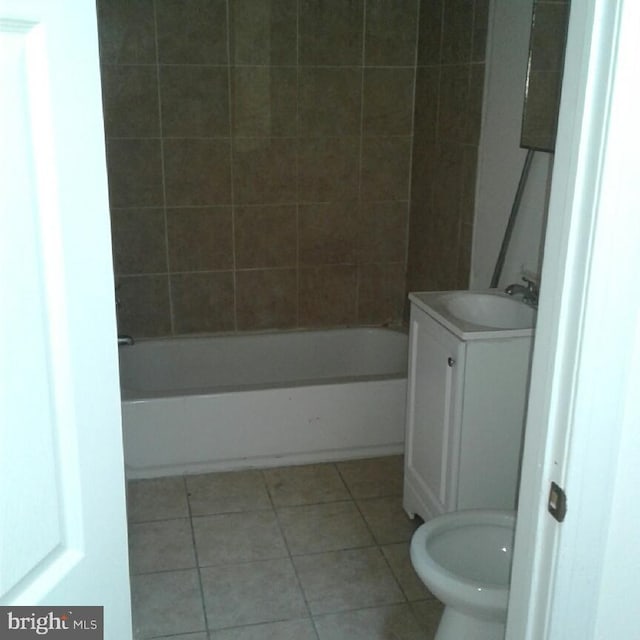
x=267, y=299
x=200, y=239
x=382, y=232
x=454, y=100
x=139, y=241
x=391, y=32
x=197, y=171
x=328, y=169
x=264, y=170
x=385, y=168
x=130, y=98
x=195, y=101
x=388, y=101
x=430, y=32
x=447, y=190
x=474, y=109
x=193, y=32
x=457, y=32
x=265, y=101
x=265, y=236
x=480, y=29
x=426, y=103
x=331, y=32
x=381, y=293
x=418, y=260
x=135, y=172
x=264, y=32
x=127, y=32
x=330, y=101
x=203, y=302
x=327, y=233
x=468, y=181
x=464, y=256
x=143, y=309
x=327, y=296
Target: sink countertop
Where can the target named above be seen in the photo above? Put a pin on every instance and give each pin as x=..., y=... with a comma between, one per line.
x=433, y=304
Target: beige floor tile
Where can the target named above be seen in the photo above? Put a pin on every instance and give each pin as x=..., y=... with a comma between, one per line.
x=373, y=477
x=166, y=603
x=388, y=520
x=428, y=613
x=324, y=527
x=234, y=491
x=238, y=537
x=396, y=622
x=251, y=593
x=157, y=499
x=306, y=484
x=399, y=560
x=342, y=580
x=160, y=546
x=287, y=630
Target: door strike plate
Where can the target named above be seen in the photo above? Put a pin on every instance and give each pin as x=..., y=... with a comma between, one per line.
x=557, y=504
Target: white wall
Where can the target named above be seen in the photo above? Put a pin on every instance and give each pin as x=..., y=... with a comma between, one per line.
x=500, y=157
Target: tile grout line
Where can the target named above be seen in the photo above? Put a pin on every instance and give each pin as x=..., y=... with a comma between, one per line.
x=358, y=214
x=285, y=268
x=378, y=545
x=231, y=173
x=289, y=555
x=276, y=66
x=297, y=167
x=318, y=136
x=195, y=554
x=162, y=169
x=413, y=143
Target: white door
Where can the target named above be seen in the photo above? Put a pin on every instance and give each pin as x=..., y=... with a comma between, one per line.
x=63, y=538
x=579, y=579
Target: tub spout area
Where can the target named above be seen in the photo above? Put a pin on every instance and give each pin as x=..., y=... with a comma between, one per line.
x=124, y=340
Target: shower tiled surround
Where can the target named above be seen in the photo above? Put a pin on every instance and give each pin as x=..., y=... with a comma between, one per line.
x=315, y=552
x=448, y=111
x=259, y=156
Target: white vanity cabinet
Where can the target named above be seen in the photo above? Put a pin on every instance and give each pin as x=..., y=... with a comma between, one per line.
x=466, y=397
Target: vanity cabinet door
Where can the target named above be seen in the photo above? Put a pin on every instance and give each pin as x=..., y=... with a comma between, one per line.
x=436, y=373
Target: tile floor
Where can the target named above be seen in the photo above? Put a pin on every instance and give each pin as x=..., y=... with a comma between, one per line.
x=314, y=552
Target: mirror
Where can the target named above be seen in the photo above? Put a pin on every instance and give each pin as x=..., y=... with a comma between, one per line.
x=544, y=74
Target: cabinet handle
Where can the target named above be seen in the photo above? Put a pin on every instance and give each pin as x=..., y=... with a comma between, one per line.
x=450, y=361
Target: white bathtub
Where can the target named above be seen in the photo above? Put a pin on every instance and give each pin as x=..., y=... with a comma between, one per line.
x=191, y=405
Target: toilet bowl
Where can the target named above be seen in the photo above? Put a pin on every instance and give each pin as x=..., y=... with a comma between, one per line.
x=464, y=559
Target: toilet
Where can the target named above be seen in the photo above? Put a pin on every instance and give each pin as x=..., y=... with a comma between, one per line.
x=464, y=559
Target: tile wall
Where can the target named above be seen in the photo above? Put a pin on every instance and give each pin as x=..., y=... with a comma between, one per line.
x=259, y=156
x=448, y=109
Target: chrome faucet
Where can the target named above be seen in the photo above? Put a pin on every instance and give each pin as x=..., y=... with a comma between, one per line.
x=528, y=291
x=125, y=340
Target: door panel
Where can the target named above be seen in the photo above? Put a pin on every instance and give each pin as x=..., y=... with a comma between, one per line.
x=432, y=431
x=62, y=508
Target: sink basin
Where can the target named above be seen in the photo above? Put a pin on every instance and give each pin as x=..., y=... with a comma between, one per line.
x=496, y=310
x=477, y=315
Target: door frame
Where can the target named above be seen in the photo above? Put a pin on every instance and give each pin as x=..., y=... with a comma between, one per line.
x=578, y=579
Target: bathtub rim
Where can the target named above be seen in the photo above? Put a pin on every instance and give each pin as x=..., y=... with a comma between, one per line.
x=132, y=393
